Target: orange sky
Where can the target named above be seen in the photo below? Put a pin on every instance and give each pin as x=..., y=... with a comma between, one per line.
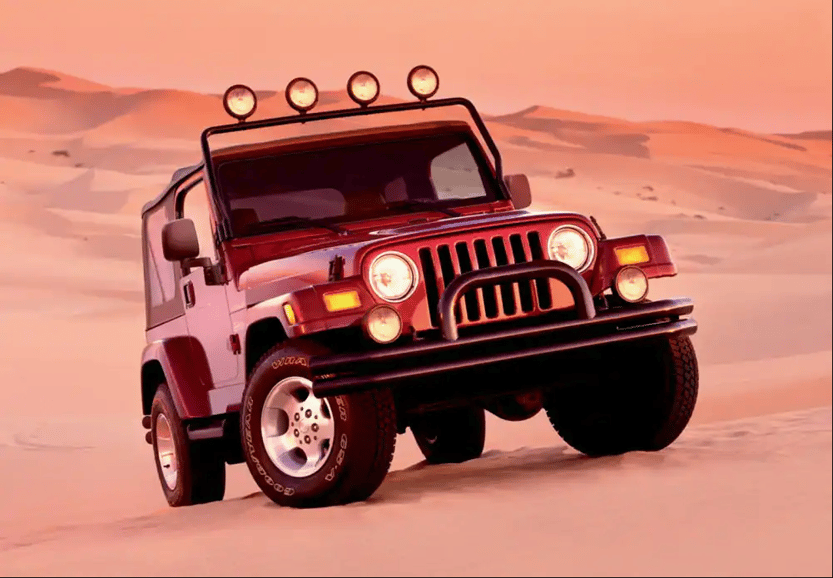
x=757, y=64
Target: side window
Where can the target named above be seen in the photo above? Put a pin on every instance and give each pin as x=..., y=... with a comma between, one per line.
x=196, y=207
x=456, y=175
x=157, y=265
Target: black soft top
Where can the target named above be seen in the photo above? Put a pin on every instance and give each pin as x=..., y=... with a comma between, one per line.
x=178, y=177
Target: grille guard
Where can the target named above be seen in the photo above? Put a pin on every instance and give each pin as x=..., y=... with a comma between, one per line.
x=351, y=372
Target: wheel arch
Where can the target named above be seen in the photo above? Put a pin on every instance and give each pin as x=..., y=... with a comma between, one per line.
x=181, y=363
x=261, y=336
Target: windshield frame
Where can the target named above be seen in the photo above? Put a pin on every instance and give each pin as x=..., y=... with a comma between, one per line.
x=224, y=225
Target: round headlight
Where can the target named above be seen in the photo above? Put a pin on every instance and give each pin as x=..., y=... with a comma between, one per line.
x=363, y=87
x=301, y=94
x=631, y=284
x=572, y=246
x=423, y=82
x=240, y=101
x=393, y=276
x=383, y=324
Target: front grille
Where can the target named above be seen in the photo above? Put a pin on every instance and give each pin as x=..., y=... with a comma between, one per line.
x=443, y=262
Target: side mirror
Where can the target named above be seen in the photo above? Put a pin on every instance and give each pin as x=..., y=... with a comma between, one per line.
x=179, y=240
x=518, y=186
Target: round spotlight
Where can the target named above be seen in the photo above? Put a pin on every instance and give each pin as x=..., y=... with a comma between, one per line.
x=363, y=87
x=301, y=94
x=383, y=324
x=423, y=82
x=631, y=284
x=240, y=101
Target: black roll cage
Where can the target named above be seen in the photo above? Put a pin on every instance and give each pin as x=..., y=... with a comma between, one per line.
x=224, y=224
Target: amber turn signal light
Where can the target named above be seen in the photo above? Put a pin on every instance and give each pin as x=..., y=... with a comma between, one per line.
x=632, y=255
x=290, y=313
x=342, y=300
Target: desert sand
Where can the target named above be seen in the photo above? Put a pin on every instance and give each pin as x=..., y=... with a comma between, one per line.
x=746, y=490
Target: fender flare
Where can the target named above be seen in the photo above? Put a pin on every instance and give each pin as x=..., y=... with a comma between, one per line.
x=185, y=369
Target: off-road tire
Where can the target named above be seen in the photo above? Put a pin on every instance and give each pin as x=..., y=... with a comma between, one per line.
x=201, y=476
x=364, y=439
x=450, y=436
x=642, y=401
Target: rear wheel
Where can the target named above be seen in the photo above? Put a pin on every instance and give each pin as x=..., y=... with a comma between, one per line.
x=452, y=435
x=305, y=451
x=189, y=472
x=642, y=400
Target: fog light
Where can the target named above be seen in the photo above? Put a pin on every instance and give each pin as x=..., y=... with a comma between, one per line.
x=341, y=301
x=631, y=284
x=383, y=324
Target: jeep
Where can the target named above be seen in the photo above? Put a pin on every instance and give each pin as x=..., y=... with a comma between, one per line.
x=321, y=282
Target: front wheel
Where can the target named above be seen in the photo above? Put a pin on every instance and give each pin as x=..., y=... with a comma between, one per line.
x=642, y=400
x=305, y=451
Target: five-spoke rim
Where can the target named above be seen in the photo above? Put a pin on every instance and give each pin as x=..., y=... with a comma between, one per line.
x=297, y=428
x=166, y=451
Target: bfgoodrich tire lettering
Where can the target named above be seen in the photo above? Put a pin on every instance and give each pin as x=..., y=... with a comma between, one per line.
x=363, y=437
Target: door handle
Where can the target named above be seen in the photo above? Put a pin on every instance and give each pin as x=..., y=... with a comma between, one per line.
x=188, y=290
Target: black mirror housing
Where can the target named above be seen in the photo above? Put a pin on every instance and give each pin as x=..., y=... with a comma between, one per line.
x=519, y=189
x=179, y=240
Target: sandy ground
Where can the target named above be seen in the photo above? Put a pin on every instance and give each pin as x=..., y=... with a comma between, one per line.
x=745, y=490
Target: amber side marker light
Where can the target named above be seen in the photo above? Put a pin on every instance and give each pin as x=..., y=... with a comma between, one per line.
x=342, y=300
x=632, y=255
x=290, y=313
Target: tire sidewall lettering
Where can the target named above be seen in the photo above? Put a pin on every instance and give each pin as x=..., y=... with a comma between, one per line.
x=265, y=469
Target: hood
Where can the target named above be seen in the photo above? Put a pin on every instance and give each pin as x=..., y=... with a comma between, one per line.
x=309, y=264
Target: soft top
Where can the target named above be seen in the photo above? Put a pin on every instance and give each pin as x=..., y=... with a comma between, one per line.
x=178, y=177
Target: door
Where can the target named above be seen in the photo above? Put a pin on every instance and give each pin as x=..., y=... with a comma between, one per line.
x=206, y=306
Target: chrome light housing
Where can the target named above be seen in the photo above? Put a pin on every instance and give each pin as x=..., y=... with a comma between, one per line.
x=631, y=284
x=393, y=276
x=572, y=246
x=383, y=324
x=240, y=101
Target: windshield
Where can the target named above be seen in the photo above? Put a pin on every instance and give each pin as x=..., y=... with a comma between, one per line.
x=351, y=182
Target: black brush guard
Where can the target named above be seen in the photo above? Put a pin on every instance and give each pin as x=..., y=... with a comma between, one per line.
x=400, y=365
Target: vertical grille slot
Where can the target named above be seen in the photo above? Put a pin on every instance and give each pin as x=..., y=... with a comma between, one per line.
x=432, y=291
x=448, y=273
x=470, y=297
x=541, y=285
x=524, y=287
x=506, y=293
x=481, y=254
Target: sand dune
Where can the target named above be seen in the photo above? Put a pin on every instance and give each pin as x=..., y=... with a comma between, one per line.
x=746, y=490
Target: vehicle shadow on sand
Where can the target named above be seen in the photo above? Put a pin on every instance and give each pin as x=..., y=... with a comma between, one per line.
x=495, y=469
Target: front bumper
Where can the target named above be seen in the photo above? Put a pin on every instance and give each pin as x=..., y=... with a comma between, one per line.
x=352, y=372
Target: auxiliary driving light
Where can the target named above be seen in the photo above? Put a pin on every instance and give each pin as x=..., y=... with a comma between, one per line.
x=423, y=82
x=363, y=87
x=383, y=324
x=240, y=101
x=631, y=284
x=301, y=94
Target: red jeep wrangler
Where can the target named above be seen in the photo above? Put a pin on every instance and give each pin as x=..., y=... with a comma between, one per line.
x=323, y=281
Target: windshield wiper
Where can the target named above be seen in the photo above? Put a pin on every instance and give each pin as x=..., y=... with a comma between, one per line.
x=294, y=220
x=422, y=203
